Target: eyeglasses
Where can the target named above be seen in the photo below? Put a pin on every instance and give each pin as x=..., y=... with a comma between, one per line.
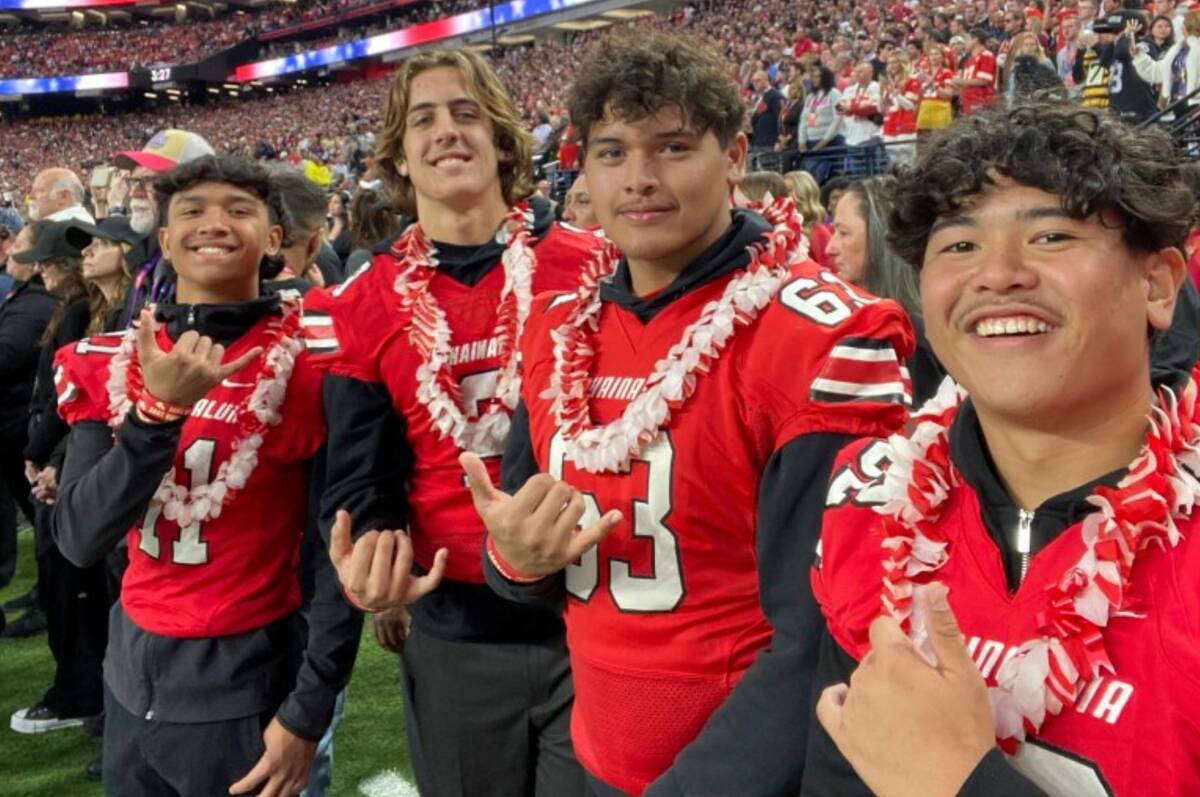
x=144, y=183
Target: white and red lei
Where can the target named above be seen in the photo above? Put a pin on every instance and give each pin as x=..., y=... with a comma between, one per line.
x=429, y=333
x=254, y=417
x=1049, y=670
x=611, y=446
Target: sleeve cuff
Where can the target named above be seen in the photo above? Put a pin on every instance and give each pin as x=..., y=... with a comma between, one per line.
x=504, y=568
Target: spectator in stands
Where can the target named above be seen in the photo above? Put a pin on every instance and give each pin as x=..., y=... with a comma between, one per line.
x=821, y=125
x=23, y=318
x=577, y=206
x=1068, y=48
x=372, y=222
x=1177, y=71
x=1161, y=38
x=862, y=255
x=767, y=107
x=301, y=205
x=976, y=85
x=861, y=122
x=1089, y=73
x=338, y=220
x=74, y=599
x=153, y=279
x=58, y=195
x=900, y=94
x=1027, y=70
x=807, y=196
x=935, y=111
x=757, y=186
x=790, y=119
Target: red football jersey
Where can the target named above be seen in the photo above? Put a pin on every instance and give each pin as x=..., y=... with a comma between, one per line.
x=1134, y=732
x=355, y=330
x=664, y=617
x=235, y=572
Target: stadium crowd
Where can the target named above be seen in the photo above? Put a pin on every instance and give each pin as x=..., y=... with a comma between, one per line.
x=775, y=583
x=29, y=51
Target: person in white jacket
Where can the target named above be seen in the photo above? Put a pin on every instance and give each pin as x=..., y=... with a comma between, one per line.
x=1177, y=72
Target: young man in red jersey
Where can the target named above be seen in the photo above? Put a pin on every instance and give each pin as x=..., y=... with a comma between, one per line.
x=191, y=435
x=421, y=346
x=1048, y=503
x=684, y=407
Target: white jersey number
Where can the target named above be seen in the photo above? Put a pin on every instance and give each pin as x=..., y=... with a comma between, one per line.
x=190, y=548
x=663, y=589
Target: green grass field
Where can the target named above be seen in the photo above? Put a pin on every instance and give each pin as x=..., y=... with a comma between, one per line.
x=369, y=741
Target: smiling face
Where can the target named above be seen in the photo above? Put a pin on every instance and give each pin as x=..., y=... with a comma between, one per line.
x=1040, y=316
x=660, y=190
x=450, y=153
x=215, y=237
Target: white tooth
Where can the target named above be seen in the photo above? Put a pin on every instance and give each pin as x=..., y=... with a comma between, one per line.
x=1023, y=324
x=1010, y=327
x=1043, y=326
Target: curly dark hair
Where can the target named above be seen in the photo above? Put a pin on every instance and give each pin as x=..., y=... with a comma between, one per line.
x=1092, y=161
x=230, y=169
x=638, y=74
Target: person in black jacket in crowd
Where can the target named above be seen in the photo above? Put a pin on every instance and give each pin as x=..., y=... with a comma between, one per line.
x=74, y=599
x=23, y=318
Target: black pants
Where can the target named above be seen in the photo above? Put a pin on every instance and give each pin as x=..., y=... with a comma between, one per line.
x=76, y=604
x=147, y=758
x=490, y=720
x=16, y=489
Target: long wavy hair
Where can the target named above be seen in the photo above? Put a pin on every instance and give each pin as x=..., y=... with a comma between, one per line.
x=887, y=274
x=807, y=195
x=513, y=142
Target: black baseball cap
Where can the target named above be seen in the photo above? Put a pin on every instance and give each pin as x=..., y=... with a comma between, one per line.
x=49, y=243
x=110, y=228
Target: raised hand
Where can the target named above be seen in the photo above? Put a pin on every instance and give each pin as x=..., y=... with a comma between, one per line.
x=376, y=569
x=536, y=530
x=911, y=729
x=190, y=370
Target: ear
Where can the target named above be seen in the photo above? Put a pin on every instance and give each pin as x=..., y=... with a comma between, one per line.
x=402, y=167
x=164, y=242
x=736, y=153
x=1163, y=273
x=313, y=247
x=274, y=240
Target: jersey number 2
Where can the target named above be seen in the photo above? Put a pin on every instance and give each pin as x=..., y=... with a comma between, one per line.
x=663, y=589
x=190, y=548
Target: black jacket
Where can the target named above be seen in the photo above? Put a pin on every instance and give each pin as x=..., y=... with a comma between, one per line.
x=46, y=428
x=107, y=482
x=23, y=319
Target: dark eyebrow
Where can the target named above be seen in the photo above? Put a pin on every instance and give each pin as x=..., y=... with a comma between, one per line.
x=1029, y=214
x=678, y=132
x=455, y=103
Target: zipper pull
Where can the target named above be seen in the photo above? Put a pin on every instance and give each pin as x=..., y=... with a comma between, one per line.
x=1024, y=535
x=191, y=316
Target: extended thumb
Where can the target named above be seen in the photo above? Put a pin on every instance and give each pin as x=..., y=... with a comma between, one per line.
x=941, y=624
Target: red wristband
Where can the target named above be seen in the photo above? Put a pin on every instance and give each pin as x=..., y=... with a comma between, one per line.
x=154, y=409
x=504, y=568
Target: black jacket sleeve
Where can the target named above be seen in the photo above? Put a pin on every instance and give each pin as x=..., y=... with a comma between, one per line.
x=762, y=725
x=369, y=461
x=517, y=466
x=829, y=774
x=46, y=428
x=1078, y=73
x=25, y=319
x=334, y=629
x=106, y=484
